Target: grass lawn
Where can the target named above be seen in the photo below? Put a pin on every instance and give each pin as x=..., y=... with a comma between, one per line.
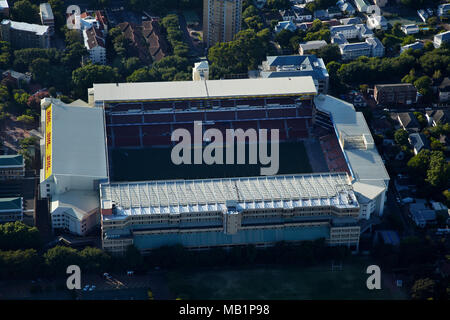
x=156, y=164
x=311, y=283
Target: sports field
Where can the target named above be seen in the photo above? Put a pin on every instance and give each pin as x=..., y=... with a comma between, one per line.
x=313, y=283
x=156, y=164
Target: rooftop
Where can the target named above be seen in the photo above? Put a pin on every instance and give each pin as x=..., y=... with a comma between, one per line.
x=11, y=160
x=11, y=204
x=203, y=89
x=80, y=128
x=36, y=28
x=178, y=196
x=365, y=163
x=46, y=11
x=77, y=203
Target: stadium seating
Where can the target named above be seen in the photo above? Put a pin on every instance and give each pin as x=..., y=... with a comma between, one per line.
x=156, y=127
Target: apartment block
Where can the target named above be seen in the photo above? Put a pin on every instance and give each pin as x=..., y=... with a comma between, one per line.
x=221, y=20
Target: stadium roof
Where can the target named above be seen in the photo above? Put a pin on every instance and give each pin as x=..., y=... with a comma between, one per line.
x=78, y=141
x=176, y=196
x=11, y=160
x=203, y=89
x=11, y=204
x=365, y=164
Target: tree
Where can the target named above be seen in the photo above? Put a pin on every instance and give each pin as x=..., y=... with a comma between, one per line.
x=423, y=289
x=25, y=119
x=418, y=165
x=17, y=235
x=5, y=55
x=329, y=53
x=84, y=77
x=244, y=53
x=250, y=11
x=20, y=264
x=401, y=137
x=278, y=4
x=24, y=11
x=57, y=259
x=423, y=85
x=283, y=38
x=438, y=172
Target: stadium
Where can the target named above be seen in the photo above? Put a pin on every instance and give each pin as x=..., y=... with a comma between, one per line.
x=141, y=198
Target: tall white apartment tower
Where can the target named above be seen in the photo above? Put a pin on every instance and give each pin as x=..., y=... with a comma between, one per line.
x=221, y=20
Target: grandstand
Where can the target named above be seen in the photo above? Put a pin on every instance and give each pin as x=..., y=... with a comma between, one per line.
x=143, y=115
x=126, y=140
x=228, y=212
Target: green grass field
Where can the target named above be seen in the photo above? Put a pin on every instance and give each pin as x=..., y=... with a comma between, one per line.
x=156, y=164
x=313, y=283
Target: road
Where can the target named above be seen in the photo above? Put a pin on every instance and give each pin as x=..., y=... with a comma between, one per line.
x=400, y=210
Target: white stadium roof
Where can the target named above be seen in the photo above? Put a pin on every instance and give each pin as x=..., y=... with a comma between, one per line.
x=203, y=89
x=78, y=141
x=365, y=164
x=177, y=196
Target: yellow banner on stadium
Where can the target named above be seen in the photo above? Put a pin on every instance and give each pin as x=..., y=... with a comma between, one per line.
x=48, y=142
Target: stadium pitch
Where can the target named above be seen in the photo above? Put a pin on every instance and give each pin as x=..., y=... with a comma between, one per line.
x=155, y=164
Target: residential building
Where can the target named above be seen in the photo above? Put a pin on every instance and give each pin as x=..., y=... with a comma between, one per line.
x=334, y=12
x=408, y=121
x=321, y=14
x=302, y=14
x=70, y=176
x=4, y=9
x=94, y=19
x=363, y=6
x=419, y=142
x=350, y=51
x=418, y=45
x=410, y=29
x=441, y=38
x=377, y=48
x=353, y=20
x=285, y=25
x=398, y=93
x=349, y=31
x=380, y=3
x=296, y=66
x=443, y=10
x=95, y=45
x=12, y=167
x=377, y=22
x=47, y=18
x=18, y=77
x=157, y=44
x=423, y=14
x=11, y=209
x=364, y=32
x=436, y=117
x=288, y=15
x=444, y=90
x=304, y=48
x=338, y=38
x=221, y=20
x=347, y=8
x=200, y=71
x=25, y=35
x=421, y=214
x=136, y=39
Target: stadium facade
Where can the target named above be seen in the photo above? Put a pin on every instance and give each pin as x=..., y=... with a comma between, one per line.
x=226, y=212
